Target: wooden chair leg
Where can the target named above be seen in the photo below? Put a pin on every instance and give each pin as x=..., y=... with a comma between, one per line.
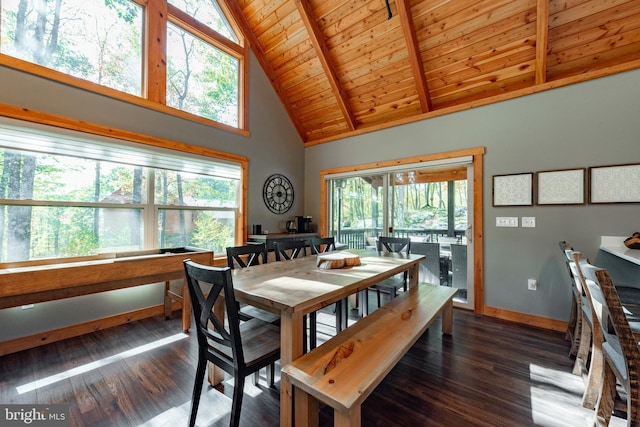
x=607, y=398
x=576, y=333
x=573, y=318
x=582, y=355
x=594, y=379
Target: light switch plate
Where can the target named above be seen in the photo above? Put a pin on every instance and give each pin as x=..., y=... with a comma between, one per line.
x=506, y=221
x=528, y=221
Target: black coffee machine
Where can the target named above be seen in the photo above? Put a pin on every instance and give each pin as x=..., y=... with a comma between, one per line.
x=304, y=224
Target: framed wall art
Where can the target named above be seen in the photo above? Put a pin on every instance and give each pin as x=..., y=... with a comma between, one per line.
x=614, y=184
x=513, y=190
x=561, y=187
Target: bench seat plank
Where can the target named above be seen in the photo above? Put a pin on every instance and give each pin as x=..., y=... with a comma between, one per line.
x=343, y=371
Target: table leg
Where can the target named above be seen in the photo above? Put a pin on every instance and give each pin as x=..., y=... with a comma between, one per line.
x=413, y=275
x=306, y=413
x=447, y=318
x=290, y=349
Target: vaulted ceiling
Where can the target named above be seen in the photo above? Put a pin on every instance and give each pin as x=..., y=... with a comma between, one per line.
x=343, y=67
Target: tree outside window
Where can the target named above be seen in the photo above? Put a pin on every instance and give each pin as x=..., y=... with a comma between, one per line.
x=101, y=41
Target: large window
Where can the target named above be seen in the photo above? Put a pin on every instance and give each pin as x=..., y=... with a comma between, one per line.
x=201, y=79
x=102, y=42
x=54, y=204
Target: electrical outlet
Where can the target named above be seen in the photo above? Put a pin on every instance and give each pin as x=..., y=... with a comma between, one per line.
x=532, y=284
x=529, y=221
x=506, y=221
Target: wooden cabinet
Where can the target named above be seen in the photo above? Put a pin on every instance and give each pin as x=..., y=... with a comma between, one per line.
x=269, y=239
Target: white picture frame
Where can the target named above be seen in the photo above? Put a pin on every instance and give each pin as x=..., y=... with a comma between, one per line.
x=614, y=184
x=513, y=189
x=561, y=187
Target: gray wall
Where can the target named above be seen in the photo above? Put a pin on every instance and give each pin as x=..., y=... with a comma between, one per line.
x=273, y=147
x=587, y=124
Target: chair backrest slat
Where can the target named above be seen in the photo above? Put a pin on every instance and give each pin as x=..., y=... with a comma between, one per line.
x=247, y=255
x=393, y=244
x=321, y=245
x=290, y=249
x=608, y=311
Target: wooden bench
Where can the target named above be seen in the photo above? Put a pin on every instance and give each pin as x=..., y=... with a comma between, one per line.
x=342, y=372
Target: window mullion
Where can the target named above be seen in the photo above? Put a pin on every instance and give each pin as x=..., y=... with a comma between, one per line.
x=155, y=70
x=150, y=212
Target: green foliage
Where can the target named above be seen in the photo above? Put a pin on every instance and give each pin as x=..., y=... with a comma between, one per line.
x=416, y=206
x=58, y=231
x=125, y=10
x=212, y=234
x=201, y=79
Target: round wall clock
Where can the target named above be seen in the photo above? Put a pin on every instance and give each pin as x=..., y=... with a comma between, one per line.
x=278, y=193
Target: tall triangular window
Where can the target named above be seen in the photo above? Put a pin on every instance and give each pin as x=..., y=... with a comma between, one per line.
x=210, y=14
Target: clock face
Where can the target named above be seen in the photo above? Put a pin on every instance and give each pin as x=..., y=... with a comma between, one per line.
x=278, y=193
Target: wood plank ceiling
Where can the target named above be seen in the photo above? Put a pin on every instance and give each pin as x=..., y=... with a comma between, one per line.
x=343, y=67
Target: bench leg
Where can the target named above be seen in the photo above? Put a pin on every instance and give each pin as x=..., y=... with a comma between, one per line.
x=306, y=409
x=347, y=419
x=447, y=318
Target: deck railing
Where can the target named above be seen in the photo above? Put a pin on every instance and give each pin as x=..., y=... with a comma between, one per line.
x=359, y=238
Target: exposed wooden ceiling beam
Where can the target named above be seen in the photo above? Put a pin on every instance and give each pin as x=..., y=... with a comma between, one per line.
x=542, y=40
x=234, y=8
x=318, y=42
x=406, y=22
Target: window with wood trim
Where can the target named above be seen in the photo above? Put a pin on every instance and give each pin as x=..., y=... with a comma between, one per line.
x=71, y=194
x=191, y=66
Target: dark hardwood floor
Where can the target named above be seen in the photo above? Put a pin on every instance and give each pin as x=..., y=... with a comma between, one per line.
x=489, y=373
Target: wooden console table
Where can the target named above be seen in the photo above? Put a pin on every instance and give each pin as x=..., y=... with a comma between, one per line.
x=37, y=281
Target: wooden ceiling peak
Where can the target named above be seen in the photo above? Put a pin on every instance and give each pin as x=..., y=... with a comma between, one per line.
x=344, y=67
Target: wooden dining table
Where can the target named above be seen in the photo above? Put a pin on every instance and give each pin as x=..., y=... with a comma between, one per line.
x=298, y=287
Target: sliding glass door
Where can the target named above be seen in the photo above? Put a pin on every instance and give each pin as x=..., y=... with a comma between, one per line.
x=432, y=206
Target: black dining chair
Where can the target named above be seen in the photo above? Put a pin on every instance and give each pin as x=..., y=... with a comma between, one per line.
x=392, y=285
x=248, y=256
x=290, y=249
x=240, y=349
x=320, y=245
